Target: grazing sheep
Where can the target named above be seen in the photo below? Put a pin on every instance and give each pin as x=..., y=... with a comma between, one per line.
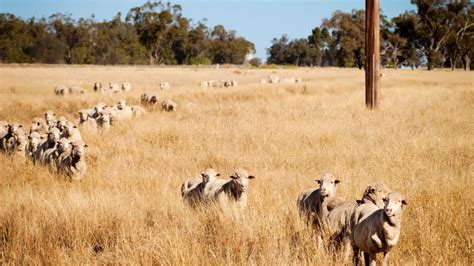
x=73, y=163
x=38, y=124
x=61, y=90
x=168, y=106
x=193, y=190
x=164, y=85
x=380, y=231
x=76, y=89
x=137, y=110
x=312, y=203
x=98, y=87
x=273, y=79
x=114, y=87
x=232, y=191
x=86, y=121
x=126, y=87
x=50, y=118
x=4, y=136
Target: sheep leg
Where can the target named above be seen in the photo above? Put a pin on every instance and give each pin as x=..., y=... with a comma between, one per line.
x=356, y=259
x=386, y=255
x=369, y=259
x=347, y=249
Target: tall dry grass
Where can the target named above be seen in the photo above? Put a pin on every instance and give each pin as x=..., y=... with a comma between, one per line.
x=128, y=209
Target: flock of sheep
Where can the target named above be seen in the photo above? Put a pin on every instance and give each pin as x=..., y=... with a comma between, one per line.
x=370, y=225
x=56, y=143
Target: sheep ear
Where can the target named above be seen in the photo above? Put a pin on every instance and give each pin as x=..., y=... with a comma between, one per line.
x=233, y=177
x=337, y=181
x=20, y=126
x=318, y=181
x=385, y=199
x=404, y=201
x=218, y=174
x=203, y=175
x=85, y=146
x=251, y=177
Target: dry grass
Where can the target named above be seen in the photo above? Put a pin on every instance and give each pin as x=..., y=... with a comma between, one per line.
x=128, y=209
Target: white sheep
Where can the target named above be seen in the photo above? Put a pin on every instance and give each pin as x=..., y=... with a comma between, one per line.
x=52, y=138
x=34, y=141
x=4, y=135
x=50, y=118
x=380, y=231
x=38, y=124
x=72, y=133
x=123, y=110
x=86, y=121
x=114, y=87
x=229, y=192
x=168, y=105
x=137, y=110
x=98, y=87
x=74, y=163
x=192, y=190
x=76, y=89
x=164, y=85
x=312, y=203
x=126, y=87
x=61, y=90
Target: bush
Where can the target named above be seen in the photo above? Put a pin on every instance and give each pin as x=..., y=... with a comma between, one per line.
x=200, y=60
x=256, y=62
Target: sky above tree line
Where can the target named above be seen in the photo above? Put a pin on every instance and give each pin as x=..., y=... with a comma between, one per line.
x=259, y=21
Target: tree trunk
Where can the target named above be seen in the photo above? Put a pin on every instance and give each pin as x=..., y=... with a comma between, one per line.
x=467, y=62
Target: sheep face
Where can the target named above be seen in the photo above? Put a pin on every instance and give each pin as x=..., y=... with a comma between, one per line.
x=327, y=185
x=209, y=175
x=79, y=150
x=3, y=129
x=83, y=115
x=54, y=135
x=13, y=128
x=63, y=145
x=240, y=178
x=34, y=140
x=376, y=193
x=50, y=117
x=121, y=105
x=36, y=124
x=393, y=203
x=62, y=122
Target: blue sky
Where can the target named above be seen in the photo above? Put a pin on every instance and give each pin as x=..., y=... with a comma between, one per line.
x=257, y=20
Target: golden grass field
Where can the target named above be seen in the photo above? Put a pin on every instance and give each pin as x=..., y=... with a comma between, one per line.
x=128, y=209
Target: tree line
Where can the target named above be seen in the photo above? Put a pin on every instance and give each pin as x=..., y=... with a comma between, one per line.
x=440, y=33
x=154, y=33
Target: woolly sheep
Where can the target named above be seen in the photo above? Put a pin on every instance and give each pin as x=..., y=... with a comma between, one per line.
x=86, y=121
x=61, y=90
x=310, y=202
x=232, y=191
x=114, y=87
x=38, y=124
x=50, y=118
x=74, y=165
x=192, y=190
x=380, y=231
x=164, y=85
x=137, y=110
x=4, y=128
x=126, y=86
x=168, y=105
x=76, y=89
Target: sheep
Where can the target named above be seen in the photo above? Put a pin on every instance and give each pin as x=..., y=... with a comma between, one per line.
x=50, y=118
x=73, y=163
x=86, y=121
x=98, y=87
x=137, y=111
x=51, y=156
x=126, y=87
x=380, y=231
x=342, y=215
x=72, y=133
x=4, y=129
x=168, y=106
x=34, y=141
x=61, y=123
x=148, y=99
x=204, y=84
x=229, y=191
x=61, y=90
x=273, y=79
x=192, y=190
x=38, y=124
x=103, y=121
x=111, y=111
x=164, y=85
x=114, y=87
x=98, y=108
x=17, y=143
x=76, y=89
x=298, y=80
x=52, y=138
x=123, y=110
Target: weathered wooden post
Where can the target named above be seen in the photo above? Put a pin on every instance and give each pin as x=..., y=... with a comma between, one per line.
x=372, y=53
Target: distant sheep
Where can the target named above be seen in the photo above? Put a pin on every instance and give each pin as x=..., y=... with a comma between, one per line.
x=148, y=99
x=126, y=87
x=168, y=105
x=164, y=85
x=76, y=90
x=61, y=90
x=98, y=87
x=114, y=87
x=137, y=110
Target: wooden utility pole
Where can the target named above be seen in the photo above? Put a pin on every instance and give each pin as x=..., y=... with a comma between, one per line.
x=372, y=53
